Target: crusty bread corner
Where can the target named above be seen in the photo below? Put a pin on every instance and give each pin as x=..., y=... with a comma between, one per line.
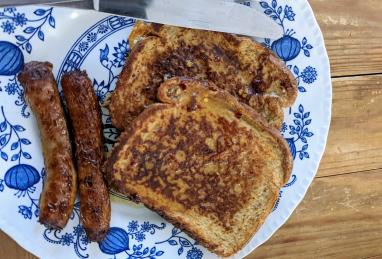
x=167, y=94
x=223, y=231
x=247, y=47
x=217, y=241
x=244, y=68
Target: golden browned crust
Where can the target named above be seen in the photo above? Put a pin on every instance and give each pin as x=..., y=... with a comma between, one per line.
x=202, y=156
x=239, y=108
x=85, y=116
x=189, y=230
x=59, y=191
x=247, y=70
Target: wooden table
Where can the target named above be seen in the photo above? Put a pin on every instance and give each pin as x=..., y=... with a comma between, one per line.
x=341, y=215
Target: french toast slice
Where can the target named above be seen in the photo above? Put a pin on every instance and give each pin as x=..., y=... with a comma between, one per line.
x=206, y=162
x=244, y=68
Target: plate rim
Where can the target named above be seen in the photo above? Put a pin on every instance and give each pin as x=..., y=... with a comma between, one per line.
x=324, y=129
x=24, y=242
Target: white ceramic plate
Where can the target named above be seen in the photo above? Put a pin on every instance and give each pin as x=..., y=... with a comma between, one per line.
x=97, y=42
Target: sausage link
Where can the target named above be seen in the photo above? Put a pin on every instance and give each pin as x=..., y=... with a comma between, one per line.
x=60, y=187
x=85, y=116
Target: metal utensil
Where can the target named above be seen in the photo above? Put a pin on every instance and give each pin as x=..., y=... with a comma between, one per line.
x=216, y=15
x=71, y=3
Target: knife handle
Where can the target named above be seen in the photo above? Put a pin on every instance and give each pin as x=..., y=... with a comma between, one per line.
x=133, y=8
x=86, y=4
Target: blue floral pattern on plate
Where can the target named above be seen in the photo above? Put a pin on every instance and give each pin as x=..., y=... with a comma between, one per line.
x=102, y=49
x=11, y=56
x=77, y=237
x=118, y=240
x=20, y=177
x=288, y=47
x=176, y=239
x=13, y=19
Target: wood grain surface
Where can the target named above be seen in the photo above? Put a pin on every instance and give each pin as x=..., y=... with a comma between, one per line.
x=341, y=215
x=354, y=142
x=11, y=250
x=353, y=34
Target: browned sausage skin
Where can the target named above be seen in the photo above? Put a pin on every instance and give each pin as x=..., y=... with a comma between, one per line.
x=85, y=116
x=60, y=187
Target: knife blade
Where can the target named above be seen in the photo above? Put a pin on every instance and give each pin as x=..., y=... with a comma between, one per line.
x=69, y=3
x=216, y=15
